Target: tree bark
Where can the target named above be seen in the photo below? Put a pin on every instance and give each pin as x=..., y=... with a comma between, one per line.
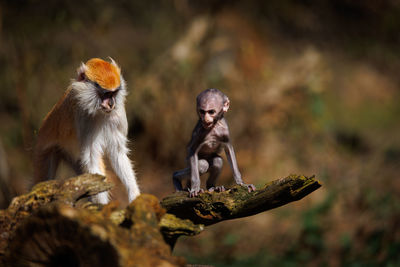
x=56, y=225
x=211, y=208
x=60, y=235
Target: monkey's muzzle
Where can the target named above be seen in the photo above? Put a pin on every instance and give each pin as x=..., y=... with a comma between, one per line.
x=108, y=104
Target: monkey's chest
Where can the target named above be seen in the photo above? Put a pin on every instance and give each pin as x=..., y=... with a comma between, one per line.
x=211, y=146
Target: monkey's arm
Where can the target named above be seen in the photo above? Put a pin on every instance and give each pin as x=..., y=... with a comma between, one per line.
x=194, y=172
x=194, y=175
x=230, y=155
x=117, y=153
x=122, y=167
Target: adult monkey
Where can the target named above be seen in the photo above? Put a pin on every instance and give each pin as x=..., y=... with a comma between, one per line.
x=87, y=125
x=209, y=137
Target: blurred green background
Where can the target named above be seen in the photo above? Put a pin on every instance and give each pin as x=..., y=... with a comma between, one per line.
x=314, y=89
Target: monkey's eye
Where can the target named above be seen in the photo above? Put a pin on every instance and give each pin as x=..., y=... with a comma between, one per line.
x=211, y=112
x=108, y=95
x=202, y=111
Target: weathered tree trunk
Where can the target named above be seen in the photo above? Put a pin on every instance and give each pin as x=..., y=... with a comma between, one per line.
x=56, y=225
x=59, y=235
x=210, y=208
x=237, y=202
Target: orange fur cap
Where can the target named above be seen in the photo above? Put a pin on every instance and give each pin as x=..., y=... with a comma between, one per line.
x=107, y=75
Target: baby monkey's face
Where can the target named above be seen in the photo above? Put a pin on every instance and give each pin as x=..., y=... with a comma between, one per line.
x=209, y=111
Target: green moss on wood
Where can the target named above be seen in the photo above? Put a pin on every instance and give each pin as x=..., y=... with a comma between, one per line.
x=172, y=226
x=142, y=231
x=209, y=208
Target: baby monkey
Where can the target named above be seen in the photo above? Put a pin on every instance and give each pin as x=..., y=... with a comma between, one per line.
x=209, y=137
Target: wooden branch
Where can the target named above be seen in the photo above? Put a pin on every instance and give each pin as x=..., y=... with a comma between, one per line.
x=60, y=235
x=172, y=227
x=55, y=222
x=210, y=208
x=73, y=192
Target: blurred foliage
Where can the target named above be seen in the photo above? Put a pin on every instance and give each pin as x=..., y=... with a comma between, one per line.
x=314, y=89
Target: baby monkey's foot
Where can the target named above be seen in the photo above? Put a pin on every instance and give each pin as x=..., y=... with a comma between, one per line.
x=250, y=187
x=216, y=188
x=195, y=193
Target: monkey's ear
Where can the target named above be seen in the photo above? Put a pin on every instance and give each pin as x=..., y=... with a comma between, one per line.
x=81, y=72
x=226, y=105
x=115, y=64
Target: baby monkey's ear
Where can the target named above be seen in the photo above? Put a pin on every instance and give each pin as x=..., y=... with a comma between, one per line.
x=226, y=105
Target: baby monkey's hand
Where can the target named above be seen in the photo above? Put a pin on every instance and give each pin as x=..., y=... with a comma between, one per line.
x=216, y=188
x=195, y=192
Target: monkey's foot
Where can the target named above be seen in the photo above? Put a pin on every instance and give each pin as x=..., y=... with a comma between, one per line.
x=195, y=193
x=250, y=187
x=177, y=183
x=216, y=188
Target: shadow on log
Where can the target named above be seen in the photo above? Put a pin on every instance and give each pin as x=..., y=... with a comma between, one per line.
x=56, y=225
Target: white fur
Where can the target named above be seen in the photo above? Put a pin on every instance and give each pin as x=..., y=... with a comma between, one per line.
x=104, y=134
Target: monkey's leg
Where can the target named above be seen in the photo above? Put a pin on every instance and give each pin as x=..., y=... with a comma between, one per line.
x=184, y=174
x=203, y=168
x=178, y=176
x=74, y=164
x=46, y=163
x=194, y=182
x=215, y=171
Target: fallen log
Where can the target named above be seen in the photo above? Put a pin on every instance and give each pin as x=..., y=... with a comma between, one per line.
x=56, y=225
x=237, y=202
x=60, y=235
x=55, y=222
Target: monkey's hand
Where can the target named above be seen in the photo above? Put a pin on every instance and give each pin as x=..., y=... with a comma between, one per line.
x=194, y=192
x=250, y=187
x=216, y=188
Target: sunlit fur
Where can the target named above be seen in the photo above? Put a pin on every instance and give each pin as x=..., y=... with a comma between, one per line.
x=105, y=74
x=87, y=98
x=78, y=131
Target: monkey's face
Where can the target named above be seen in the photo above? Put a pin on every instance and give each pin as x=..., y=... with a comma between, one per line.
x=106, y=79
x=106, y=98
x=209, y=111
x=100, y=86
